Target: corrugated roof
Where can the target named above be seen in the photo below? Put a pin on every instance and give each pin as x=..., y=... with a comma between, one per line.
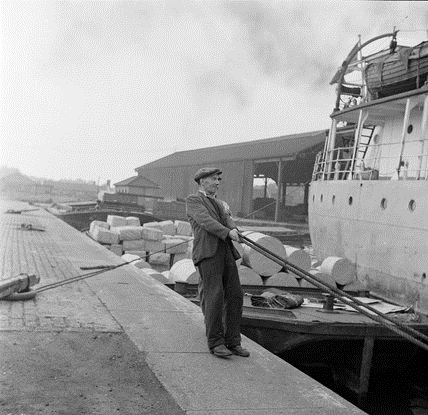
x=249, y=150
x=138, y=181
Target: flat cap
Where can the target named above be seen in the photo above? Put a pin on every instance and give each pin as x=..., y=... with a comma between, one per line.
x=205, y=172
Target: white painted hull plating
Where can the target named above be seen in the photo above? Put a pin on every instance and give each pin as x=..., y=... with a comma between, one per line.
x=388, y=241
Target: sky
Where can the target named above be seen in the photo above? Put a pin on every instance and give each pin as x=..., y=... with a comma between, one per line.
x=94, y=89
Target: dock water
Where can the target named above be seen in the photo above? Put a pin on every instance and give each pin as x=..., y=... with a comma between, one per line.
x=167, y=329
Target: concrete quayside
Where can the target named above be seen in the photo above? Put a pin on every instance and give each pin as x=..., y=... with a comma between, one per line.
x=167, y=332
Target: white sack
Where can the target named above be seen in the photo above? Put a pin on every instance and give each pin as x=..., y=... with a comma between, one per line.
x=299, y=257
x=159, y=259
x=133, y=221
x=105, y=236
x=154, y=246
x=117, y=249
x=179, y=257
x=341, y=269
x=183, y=228
x=282, y=279
x=151, y=225
x=141, y=254
x=138, y=245
x=151, y=234
x=166, y=275
x=98, y=223
x=138, y=262
x=130, y=233
x=248, y=276
x=184, y=270
x=167, y=227
x=257, y=261
x=175, y=246
x=114, y=220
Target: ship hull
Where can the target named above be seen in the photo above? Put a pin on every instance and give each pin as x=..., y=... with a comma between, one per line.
x=382, y=227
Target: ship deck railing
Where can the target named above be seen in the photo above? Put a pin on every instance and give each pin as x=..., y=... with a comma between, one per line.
x=339, y=164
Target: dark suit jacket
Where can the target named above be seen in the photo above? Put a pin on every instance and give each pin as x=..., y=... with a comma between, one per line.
x=209, y=225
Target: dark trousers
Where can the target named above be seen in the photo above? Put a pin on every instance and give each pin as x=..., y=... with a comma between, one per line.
x=221, y=297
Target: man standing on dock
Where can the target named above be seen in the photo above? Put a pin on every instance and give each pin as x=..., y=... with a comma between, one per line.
x=220, y=291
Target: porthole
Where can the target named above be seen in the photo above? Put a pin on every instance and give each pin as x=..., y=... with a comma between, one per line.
x=376, y=139
x=313, y=198
x=412, y=205
x=410, y=129
x=350, y=200
x=321, y=197
x=333, y=199
x=383, y=203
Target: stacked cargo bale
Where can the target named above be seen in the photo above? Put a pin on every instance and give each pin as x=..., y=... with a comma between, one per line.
x=248, y=276
x=167, y=227
x=255, y=266
x=183, y=231
x=321, y=276
x=175, y=245
x=136, y=261
x=132, y=246
x=159, y=258
x=129, y=233
x=129, y=237
x=298, y=257
x=184, y=271
x=116, y=249
x=98, y=223
x=341, y=270
x=166, y=275
x=133, y=221
x=114, y=221
x=101, y=232
x=155, y=244
x=151, y=225
x=282, y=279
x=153, y=238
x=355, y=286
x=183, y=228
x=144, y=268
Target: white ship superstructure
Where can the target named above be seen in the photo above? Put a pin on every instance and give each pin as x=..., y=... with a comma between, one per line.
x=368, y=197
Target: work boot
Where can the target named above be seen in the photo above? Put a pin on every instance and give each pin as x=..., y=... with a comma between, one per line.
x=239, y=351
x=221, y=351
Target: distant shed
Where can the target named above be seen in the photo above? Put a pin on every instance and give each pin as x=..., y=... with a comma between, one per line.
x=287, y=159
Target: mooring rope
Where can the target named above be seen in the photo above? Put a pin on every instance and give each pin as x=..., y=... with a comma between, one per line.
x=101, y=271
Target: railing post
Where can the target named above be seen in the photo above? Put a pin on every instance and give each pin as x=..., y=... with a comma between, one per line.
x=328, y=156
x=278, y=196
x=424, y=136
x=410, y=103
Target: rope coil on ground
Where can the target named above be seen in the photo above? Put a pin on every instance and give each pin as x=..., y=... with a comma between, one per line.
x=21, y=296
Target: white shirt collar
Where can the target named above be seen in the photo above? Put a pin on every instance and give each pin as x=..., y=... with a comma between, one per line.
x=205, y=194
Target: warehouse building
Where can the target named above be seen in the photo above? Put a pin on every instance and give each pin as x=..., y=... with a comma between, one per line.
x=266, y=179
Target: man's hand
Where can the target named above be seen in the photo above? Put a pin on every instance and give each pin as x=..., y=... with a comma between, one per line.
x=233, y=234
